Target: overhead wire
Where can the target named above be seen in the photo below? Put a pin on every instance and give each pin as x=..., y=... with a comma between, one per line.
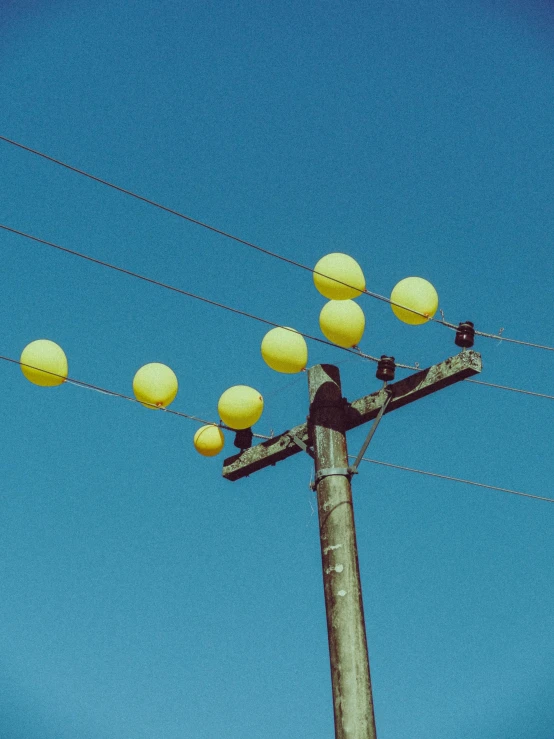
x=275, y=255
x=177, y=289
x=511, y=389
x=251, y=245
x=455, y=479
x=112, y=393
x=355, y=351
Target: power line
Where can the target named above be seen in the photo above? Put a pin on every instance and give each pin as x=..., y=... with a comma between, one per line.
x=256, y=246
x=455, y=479
x=179, y=290
x=113, y=394
x=512, y=389
x=356, y=352
x=498, y=337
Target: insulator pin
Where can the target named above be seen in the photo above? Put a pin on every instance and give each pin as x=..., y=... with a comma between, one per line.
x=243, y=439
x=385, y=369
x=465, y=335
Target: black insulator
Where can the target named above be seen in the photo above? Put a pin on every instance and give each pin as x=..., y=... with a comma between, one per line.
x=243, y=439
x=465, y=335
x=385, y=369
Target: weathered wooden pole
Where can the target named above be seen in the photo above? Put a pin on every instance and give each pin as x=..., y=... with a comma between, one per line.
x=351, y=684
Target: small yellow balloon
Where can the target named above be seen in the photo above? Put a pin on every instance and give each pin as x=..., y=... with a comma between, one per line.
x=285, y=350
x=44, y=355
x=342, y=322
x=416, y=294
x=155, y=385
x=340, y=267
x=240, y=407
x=209, y=440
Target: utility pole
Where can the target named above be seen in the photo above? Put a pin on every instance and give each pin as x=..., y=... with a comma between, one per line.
x=352, y=699
x=324, y=438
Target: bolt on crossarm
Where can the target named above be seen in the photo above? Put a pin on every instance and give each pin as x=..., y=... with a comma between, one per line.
x=351, y=684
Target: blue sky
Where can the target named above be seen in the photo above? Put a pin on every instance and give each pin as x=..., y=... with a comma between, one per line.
x=143, y=595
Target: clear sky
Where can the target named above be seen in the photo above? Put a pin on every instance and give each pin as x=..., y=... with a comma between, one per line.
x=143, y=596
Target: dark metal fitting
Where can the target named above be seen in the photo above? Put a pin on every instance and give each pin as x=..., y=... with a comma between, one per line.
x=465, y=335
x=243, y=439
x=299, y=442
x=385, y=369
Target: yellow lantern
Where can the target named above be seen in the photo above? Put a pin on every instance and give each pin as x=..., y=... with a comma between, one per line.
x=209, y=440
x=285, y=350
x=44, y=355
x=343, y=268
x=416, y=294
x=155, y=385
x=342, y=322
x=240, y=407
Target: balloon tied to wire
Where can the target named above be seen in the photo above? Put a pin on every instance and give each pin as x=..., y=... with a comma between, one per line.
x=340, y=279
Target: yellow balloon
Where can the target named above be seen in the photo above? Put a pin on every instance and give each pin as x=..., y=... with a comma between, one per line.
x=44, y=355
x=155, y=385
x=340, y=267
x=240, y=407
x=418, y=295
x=209, y=440
x=342, y=322
x=285, y=350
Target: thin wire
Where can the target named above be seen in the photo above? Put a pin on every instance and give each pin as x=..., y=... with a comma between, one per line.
x=155, y=204
x=104, y=391
x=255, y=246
x=456, y=479
x=512, y=389
x=514, y=341
x=212, y=228
x=178, y=290
x=356, y=351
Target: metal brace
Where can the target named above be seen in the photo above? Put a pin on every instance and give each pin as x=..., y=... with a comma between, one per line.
x=354, y=468
x=301, y=444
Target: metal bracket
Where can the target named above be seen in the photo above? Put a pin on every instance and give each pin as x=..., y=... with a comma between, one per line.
x=389, y=392
x=328, y=471
x=301, y=444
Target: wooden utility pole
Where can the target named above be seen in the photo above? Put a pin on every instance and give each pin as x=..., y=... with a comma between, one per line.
x=329, y=418
x=352, y=699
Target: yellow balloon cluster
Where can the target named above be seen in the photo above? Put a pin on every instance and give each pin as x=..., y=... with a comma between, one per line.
x=414, y=300
x=240, y=407
x=339, y=277
x=44, y=363
x=336, y=276
x=285, y=350
x=155, y=385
